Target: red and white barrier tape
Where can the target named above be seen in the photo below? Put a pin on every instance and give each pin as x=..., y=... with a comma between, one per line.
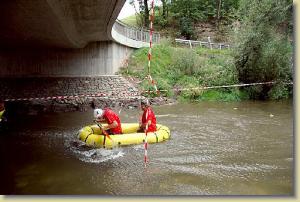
x=134, y=94
x=57, y=97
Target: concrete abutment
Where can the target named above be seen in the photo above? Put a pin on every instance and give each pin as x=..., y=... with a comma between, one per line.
x=97, y=58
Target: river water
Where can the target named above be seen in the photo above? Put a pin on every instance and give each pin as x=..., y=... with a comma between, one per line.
x=216, y=148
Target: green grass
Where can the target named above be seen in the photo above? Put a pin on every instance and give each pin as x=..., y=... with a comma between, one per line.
x=177, y=68
x=130, y=20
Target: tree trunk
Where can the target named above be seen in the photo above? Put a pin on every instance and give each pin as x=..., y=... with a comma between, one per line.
x=146, y=13
x=138, y=16
x=165, y=8
x=218, y=12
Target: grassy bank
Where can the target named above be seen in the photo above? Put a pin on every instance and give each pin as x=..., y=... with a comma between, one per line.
x=176, y=68
x=179, y=68
x=262, y=51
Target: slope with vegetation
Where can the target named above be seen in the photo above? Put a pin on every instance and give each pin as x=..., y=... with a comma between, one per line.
x=262, y=50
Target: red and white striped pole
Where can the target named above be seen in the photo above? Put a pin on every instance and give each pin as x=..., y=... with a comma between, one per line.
x=151, y=16
x=146, y=159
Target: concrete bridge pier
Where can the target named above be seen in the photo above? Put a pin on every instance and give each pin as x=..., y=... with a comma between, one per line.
x=97, y=58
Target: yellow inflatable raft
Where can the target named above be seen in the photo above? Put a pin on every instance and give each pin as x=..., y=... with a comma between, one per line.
x=92, y=136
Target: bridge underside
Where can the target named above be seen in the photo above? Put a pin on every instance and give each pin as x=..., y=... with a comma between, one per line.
x=56, y=23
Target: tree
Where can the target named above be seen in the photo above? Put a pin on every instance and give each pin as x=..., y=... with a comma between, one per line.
x=138, y=15
x=263, y=52
x=143, y=4
x=146, y=13
x=164, y=9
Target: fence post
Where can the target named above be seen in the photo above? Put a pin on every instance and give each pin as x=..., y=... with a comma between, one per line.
x=209, y=42
x=142, y=34
x=136, y=35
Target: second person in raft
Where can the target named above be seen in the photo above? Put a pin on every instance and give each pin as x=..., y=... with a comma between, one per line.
x=148, y=119
x=111, y=118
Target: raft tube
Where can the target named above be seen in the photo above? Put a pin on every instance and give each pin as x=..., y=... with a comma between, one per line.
x=92, y=136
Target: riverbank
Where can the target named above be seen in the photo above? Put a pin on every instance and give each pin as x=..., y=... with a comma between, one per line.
x=194, y=75
x=33, y=96
x=38, y=95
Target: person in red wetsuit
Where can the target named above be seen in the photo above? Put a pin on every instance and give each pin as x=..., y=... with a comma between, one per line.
x=111, y=118
x=148, y=119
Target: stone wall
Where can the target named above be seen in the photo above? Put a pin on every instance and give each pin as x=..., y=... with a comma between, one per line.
x=63, y=94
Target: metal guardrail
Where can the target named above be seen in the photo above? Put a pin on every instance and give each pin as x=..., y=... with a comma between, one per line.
x=207, y=44
x=134, y=33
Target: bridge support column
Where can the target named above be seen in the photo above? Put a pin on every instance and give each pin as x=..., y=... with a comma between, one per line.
x=97, y=58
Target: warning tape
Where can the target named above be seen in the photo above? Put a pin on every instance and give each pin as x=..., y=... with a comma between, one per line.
x=214, y=87
x=103, y=95
x=57, y=97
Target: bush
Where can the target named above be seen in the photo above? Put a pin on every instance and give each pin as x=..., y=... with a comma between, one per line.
x=280, y=91
x=187, y=61
x=187, y=28
x=263, y=53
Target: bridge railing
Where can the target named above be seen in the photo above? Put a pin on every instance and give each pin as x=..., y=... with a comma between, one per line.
x=134, y=33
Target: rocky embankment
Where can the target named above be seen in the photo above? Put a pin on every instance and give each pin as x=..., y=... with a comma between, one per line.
x=36, y=95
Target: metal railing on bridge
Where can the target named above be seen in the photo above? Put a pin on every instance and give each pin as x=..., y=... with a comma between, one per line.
x=135, y=33
x=206, y=44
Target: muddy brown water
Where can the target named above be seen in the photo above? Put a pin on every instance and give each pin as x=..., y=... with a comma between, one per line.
x=216, y=148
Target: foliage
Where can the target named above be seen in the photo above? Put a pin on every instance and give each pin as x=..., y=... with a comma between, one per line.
x=279, y=91
x=222, y=95
x=138, y=17
x=186, y=13
x=196, y=10
x=187, y=8
x=187, y=61
x=263, y=52
x=186, y=28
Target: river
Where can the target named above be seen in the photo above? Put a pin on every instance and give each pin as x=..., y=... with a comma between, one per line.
x=216, y=148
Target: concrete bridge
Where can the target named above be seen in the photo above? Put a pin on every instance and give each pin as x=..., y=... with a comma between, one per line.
x=63, y=38
x=78, y=39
